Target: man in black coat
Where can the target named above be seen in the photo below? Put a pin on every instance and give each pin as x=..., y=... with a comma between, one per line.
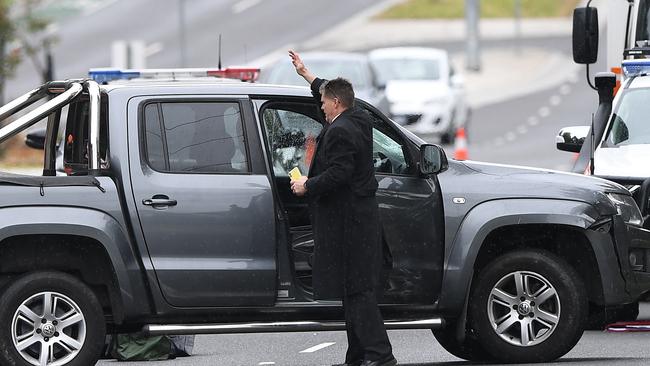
x=341, y=188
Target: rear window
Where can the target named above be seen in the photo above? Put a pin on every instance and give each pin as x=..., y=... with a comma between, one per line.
x=195, y=137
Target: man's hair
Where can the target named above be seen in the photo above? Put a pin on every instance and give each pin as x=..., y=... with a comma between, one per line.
x=339, y=88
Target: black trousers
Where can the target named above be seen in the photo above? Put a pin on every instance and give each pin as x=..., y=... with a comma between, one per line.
x=367, y=338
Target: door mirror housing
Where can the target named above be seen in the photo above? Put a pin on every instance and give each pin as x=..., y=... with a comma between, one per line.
x=585, y=35
x=36, y=139
x=571, y=138
x=433, y=160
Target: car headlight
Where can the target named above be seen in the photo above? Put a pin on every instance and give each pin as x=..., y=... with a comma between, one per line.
x=627, y=208
x=438, y=101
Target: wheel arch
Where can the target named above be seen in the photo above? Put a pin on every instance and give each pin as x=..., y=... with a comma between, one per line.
x=83, y=242
x=485, y=223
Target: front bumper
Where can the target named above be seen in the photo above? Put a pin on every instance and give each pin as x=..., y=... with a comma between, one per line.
x=637, y=260
x=612, y=242
x=632, y=245
x=433, y=119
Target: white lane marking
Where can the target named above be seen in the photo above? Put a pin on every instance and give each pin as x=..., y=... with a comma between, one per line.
x=544, y=111
x=522, y=129
x=510, y=136
x=499, y=141
x=266, y=363
x=555, y=100
x=565, y=89
x=533, y=121
x=317, y=347
x=244, y=5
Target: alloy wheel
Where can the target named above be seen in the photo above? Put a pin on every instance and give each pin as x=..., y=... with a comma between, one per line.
x=48, y=329
x=523, y=308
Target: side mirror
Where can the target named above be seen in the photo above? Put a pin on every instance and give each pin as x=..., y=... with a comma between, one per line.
x=457, y=81
x=433, y=160
x=643, y=198
x=379, y=83
x=36, y=139
x=571, y=138
x=585, y=35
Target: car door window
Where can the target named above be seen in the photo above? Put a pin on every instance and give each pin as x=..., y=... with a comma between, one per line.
x=291, y=131
x=388, y=149
x=196, y=137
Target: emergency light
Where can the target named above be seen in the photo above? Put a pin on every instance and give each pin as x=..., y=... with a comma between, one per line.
x=104, y=75
x=636, y=67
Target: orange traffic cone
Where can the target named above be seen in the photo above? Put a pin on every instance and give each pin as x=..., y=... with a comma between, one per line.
x=460, y=145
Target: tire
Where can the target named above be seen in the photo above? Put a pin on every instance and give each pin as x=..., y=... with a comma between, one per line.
x=72, y=333
x=552, y=296
x=468, y=349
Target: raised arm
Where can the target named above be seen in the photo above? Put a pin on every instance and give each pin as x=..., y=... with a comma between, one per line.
x=300, y=67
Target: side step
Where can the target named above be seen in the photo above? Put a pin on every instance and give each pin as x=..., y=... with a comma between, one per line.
x=276, y=327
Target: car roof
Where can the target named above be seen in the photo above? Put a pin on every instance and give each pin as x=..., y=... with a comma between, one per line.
x=204, y=86
x=401, y=52
x=642, y=81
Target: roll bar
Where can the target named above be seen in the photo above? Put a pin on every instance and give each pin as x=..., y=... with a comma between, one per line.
x=65, y=92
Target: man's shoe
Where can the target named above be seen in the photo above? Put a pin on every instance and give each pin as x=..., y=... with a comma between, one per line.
x=356, y=363
x=387, y=361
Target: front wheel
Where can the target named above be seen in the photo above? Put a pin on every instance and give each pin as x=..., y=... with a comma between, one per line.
x=528, y=306
x=50, y=319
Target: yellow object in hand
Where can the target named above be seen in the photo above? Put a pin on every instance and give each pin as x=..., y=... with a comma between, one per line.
x=295, y=174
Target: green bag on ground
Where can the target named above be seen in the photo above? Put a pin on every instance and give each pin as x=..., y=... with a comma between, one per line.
x=138, y=347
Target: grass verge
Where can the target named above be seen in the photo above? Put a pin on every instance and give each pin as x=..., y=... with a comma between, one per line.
x=450, y=9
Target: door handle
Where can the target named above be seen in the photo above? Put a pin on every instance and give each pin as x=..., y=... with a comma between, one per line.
x=157, y=201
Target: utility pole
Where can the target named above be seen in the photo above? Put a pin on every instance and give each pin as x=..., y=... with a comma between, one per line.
x=518, y=26
x=472, y=12
x=181, y=32
x=48, y=72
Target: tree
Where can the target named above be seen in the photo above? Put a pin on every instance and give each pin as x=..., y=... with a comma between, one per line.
x=18, y=23
x=8, y=62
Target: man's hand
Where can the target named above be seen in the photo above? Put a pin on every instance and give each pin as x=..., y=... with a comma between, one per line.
x=300, y=67
x=298, y=186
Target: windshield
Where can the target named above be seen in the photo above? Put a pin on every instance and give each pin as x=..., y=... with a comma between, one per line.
x=407, y=69
x=643, y=23
x=630, y=123
x=353, y=70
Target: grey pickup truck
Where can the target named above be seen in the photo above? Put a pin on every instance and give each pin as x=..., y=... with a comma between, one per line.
x=164, y=207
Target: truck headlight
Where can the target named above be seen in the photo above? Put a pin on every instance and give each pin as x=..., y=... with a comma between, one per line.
x=627, y=208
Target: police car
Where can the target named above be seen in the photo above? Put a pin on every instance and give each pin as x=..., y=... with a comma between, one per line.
x=621, y=142
x=624, y=150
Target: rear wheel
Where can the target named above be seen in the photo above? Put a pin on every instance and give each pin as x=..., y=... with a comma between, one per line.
x=50, y=319
x=528, y=306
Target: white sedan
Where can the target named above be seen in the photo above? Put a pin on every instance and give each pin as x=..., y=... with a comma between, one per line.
x=424, y=93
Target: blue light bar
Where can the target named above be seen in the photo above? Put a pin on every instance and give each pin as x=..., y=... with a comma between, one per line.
x=636, y=67
x=105, y=75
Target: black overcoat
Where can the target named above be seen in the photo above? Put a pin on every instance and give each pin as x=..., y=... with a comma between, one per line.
x=341, y=190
